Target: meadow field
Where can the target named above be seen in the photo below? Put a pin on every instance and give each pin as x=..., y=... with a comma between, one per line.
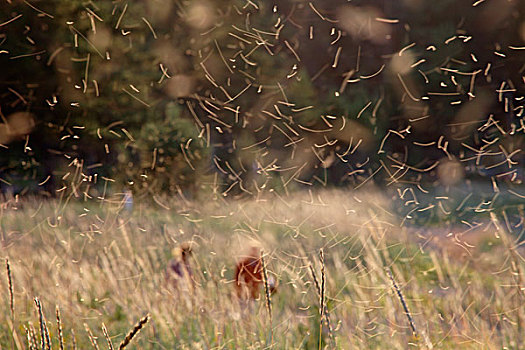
x=368, y=155
x=378, y=283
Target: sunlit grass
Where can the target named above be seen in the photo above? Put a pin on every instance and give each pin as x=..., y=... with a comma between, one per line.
x=103, y=265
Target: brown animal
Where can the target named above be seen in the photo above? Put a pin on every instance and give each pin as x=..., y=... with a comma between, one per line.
x=179, y=274
x=249, y=275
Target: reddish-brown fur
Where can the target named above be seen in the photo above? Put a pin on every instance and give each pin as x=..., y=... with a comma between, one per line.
x=249, y=275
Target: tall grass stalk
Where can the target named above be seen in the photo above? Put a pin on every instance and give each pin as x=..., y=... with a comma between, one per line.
x=133, y=332
x=267, y=295
x=401, y=298
x=60, y=334
x=92, y=339
x=322, y=296
x=11, y=292
x=106, y=335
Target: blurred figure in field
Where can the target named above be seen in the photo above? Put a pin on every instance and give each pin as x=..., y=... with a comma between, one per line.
x=249, y=275
x=179, y=275
x=128, y=200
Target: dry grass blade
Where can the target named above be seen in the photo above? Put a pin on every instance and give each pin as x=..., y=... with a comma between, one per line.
x=59, y=328
x=31, y=341
x=106, y=334
x=326, y=313
x=403, y=302
x=267, y=295
x=48, y=338
x=10, y=284
x=15, y=338
x=73, y=340
x=322, y=299
x=92, y=339
x=132, y=333
x=314, y=277
x=266, y=287
x=34, y=339
x=323, y=284
x=42, y=323
x=28, y=337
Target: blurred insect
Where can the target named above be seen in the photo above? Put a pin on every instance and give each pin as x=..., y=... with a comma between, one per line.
x=249, y=276
x=179, y=275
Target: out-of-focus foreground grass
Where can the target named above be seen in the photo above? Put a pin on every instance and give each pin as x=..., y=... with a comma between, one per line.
x=101, y=264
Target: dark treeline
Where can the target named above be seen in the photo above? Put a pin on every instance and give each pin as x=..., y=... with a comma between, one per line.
x=244, y=96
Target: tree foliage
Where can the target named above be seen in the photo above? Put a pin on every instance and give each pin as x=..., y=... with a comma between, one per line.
x=242, y=96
